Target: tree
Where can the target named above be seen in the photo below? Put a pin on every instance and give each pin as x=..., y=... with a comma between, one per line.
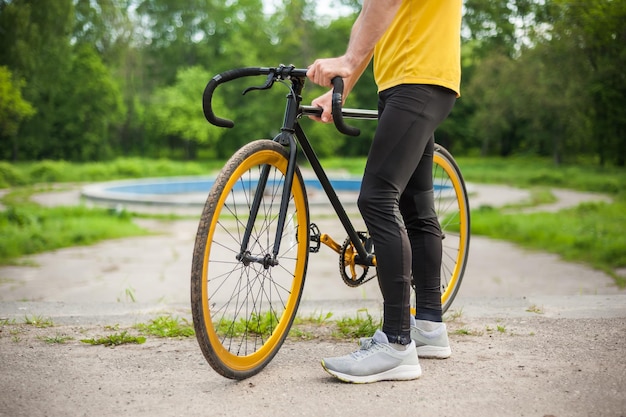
x=195, y=32
x=178, y=115
x=35, y=46
x=599, y=30
x=89, y=111
x=107, y=26
x=13, y=110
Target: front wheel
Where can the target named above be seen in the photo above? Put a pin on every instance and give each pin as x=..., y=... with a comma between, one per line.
x=242, y=311
x=452, y=207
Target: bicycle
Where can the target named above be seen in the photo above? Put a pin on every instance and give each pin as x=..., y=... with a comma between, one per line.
x=254, y=236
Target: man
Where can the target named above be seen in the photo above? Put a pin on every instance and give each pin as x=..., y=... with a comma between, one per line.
x=415, y=45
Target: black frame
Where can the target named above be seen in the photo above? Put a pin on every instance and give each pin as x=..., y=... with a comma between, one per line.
x=290, y=135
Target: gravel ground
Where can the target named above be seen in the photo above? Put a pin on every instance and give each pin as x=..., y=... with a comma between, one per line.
x=531, y=366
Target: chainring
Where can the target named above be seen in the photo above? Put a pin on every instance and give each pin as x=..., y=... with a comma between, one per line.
x=353, y=274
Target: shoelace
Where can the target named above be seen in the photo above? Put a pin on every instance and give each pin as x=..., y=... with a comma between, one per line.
x=367, y=346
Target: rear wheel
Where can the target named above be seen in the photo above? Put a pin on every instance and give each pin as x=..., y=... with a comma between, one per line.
x=243, y=310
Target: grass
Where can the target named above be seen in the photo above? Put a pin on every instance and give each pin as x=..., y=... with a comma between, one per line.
x=38, y=321
x=115, y=339
x=31, y=173
x=529, y=172
x=304, y=328
x=162, y=326
x=524, y=172
x=27, y=228
x=259, y=324
x=538, y=195
x=362, y=325
x=167, y=326
x=592, y=233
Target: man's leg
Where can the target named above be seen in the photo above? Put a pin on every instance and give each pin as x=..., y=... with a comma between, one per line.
x=409, y=114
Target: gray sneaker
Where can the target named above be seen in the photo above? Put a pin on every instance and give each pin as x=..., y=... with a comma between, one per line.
x=376, y=360
x=432, y=344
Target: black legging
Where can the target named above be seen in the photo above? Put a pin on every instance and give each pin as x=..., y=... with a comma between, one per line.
x=396, y=202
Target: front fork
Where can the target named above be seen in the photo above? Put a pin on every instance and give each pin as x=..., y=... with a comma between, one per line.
x=268, y=260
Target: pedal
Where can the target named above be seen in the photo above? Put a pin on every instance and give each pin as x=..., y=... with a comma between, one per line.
x=314, y=241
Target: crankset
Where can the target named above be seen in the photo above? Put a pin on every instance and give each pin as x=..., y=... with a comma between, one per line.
x=352, y=273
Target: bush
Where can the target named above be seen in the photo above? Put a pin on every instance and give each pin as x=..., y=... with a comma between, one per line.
x=10, y=176
x=48, y=171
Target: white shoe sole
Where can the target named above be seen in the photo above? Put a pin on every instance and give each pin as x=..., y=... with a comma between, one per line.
x=433, y=352
x=399, y=373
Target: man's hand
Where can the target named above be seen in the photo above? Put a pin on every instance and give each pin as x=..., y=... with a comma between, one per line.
x=325, y=102
x=322, y=71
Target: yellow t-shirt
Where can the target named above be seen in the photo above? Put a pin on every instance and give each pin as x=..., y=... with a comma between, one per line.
x=422, y=46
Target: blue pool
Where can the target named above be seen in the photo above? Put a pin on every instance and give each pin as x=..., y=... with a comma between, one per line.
x=184, y=186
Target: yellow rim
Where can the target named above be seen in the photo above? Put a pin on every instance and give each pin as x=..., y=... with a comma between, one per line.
x=463, y=222
x=242, y=363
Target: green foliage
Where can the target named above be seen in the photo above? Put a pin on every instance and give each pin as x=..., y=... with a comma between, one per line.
x=176, y=111
x=125, y=78
x=35, y=46
x=38, y=321
x=57, y=339
x=13, y=108
x=121, y=168
x=10, y=175
x=87, y=125
x=167, y=326
x=354, y=166
x=521, y=99
x=599, y=29
x=363, y=325
x=48, y=171
x=116, y=339
x=530, y=171
x=27, y=229
x=261, y=324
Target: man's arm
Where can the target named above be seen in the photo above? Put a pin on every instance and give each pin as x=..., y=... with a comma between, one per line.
x=369, y=27
x=375, y=18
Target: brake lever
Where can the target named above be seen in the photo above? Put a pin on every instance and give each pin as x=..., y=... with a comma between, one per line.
x=269, y=82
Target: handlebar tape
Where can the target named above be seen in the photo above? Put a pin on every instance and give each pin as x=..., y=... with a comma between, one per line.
x=337, y=103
